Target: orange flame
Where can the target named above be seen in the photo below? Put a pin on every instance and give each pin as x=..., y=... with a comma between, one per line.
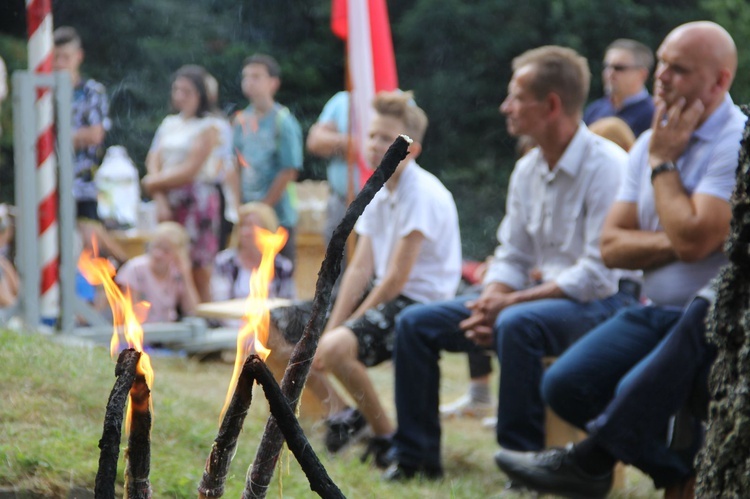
x=253, y=335
x=126, y=319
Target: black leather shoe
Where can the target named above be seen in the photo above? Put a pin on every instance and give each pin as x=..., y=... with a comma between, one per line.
x=401, y=473
x=553, y=471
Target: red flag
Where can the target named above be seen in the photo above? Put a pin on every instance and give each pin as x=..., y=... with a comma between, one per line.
x=372, y=64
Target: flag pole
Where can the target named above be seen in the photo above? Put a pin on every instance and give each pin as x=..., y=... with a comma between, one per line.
x=350, y=155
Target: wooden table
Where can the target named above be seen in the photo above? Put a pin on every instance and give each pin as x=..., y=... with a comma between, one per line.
x=233, y=309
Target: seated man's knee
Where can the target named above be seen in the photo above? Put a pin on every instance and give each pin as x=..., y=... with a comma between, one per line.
x=410, y=317
x=515, y=330
x=558, y=391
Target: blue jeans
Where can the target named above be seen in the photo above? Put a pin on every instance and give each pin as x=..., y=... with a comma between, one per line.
x=524, y=334
x=672, y=377
x=580, y=384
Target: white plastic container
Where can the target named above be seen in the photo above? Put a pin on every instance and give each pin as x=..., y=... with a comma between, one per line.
x=119, y=189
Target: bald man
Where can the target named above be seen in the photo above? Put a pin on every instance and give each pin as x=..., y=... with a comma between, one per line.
x=670, y=219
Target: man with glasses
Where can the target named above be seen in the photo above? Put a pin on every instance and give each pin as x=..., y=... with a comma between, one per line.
x=627, y=64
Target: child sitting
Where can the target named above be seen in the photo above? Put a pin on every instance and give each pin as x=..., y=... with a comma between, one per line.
x=409, y=248
x=163, y=275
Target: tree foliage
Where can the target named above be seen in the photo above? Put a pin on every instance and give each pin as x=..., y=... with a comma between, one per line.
x=454, y=54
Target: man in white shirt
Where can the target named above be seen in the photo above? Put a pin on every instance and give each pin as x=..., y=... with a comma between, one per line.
x=670, y=219
x=409, y=251
x=558, y=196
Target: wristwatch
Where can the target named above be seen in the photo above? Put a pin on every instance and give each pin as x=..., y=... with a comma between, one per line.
x=667, y=166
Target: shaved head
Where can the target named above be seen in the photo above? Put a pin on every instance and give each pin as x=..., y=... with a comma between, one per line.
x=708, y=42
x=697, y=60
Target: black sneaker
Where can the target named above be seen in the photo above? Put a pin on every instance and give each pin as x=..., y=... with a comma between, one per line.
x=378, y=448
x=553, y=471
x=344, y=428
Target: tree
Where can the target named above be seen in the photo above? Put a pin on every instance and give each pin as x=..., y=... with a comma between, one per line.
x=454, y=54
x=724, y=463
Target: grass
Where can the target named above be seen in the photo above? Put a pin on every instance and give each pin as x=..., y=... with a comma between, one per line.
x=52, y=409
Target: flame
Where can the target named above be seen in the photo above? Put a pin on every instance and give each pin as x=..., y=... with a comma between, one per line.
x=126, y=318
x=253, y=336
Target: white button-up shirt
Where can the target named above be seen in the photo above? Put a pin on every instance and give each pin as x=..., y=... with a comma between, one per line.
x=554, y=218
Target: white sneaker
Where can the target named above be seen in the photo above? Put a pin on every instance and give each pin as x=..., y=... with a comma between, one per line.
x=489, y=422
x=465, y=407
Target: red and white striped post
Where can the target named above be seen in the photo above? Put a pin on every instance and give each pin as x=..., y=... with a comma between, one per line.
x=41, y=53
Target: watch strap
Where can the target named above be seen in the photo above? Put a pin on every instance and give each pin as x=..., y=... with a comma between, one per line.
x=667, y=166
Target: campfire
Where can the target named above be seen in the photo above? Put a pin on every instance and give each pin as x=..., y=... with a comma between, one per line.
x=135, y=375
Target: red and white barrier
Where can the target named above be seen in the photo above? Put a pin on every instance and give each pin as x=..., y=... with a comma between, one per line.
x=41, y=53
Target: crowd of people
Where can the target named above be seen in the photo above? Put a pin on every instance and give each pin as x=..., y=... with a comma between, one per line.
x=613, y=230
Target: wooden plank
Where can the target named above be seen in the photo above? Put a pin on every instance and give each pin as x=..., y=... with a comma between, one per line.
x=233, y=309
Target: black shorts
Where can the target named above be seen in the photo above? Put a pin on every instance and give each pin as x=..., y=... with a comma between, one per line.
x=374, y=330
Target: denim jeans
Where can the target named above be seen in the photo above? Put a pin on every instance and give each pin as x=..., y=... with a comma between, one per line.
x=580, y=384
x=633, y=425
x=524, y=334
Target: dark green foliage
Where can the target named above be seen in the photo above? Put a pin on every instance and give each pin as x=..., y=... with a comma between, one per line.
x=454, y=54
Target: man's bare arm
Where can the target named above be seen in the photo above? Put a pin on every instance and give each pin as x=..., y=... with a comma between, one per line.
x=354, y=282
x=324, y=140
x=279, y=185
x=625, y=246
x=88, y=136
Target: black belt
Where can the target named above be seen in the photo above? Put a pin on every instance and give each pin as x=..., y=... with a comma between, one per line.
x=630, y=287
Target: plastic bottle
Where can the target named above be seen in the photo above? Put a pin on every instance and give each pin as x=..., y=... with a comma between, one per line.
x=119, y=189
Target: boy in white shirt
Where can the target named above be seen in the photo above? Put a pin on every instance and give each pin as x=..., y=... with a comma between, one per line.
x=409, y=249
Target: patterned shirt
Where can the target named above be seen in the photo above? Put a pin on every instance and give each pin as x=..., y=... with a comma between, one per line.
x=230, y=279
x=90, y=108
x=265, y=147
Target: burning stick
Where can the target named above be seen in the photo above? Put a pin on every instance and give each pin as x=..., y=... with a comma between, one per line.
x=316, y=474
x=138, y=453
x=225, y=445
x=222, y=452
x=140, y=377
x=261, y=471
x=110, y=442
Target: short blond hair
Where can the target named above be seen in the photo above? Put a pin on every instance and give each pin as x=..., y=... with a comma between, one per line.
x=266, y=215
x=401, y=105
x=614, y=129
x=558, y=70
x=173, y=233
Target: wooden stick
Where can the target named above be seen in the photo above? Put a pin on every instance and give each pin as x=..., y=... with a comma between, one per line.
x=261, y=471
x=109, y=444
x=295, y=437
x=225, y=444
x=138, y=453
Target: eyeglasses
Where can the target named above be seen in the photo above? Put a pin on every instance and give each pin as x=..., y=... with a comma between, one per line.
x=618, y=68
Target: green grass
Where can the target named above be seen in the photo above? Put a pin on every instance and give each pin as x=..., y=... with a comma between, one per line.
x=52, y=401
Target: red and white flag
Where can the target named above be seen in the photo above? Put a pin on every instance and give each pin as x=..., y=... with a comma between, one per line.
x=372, y=65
